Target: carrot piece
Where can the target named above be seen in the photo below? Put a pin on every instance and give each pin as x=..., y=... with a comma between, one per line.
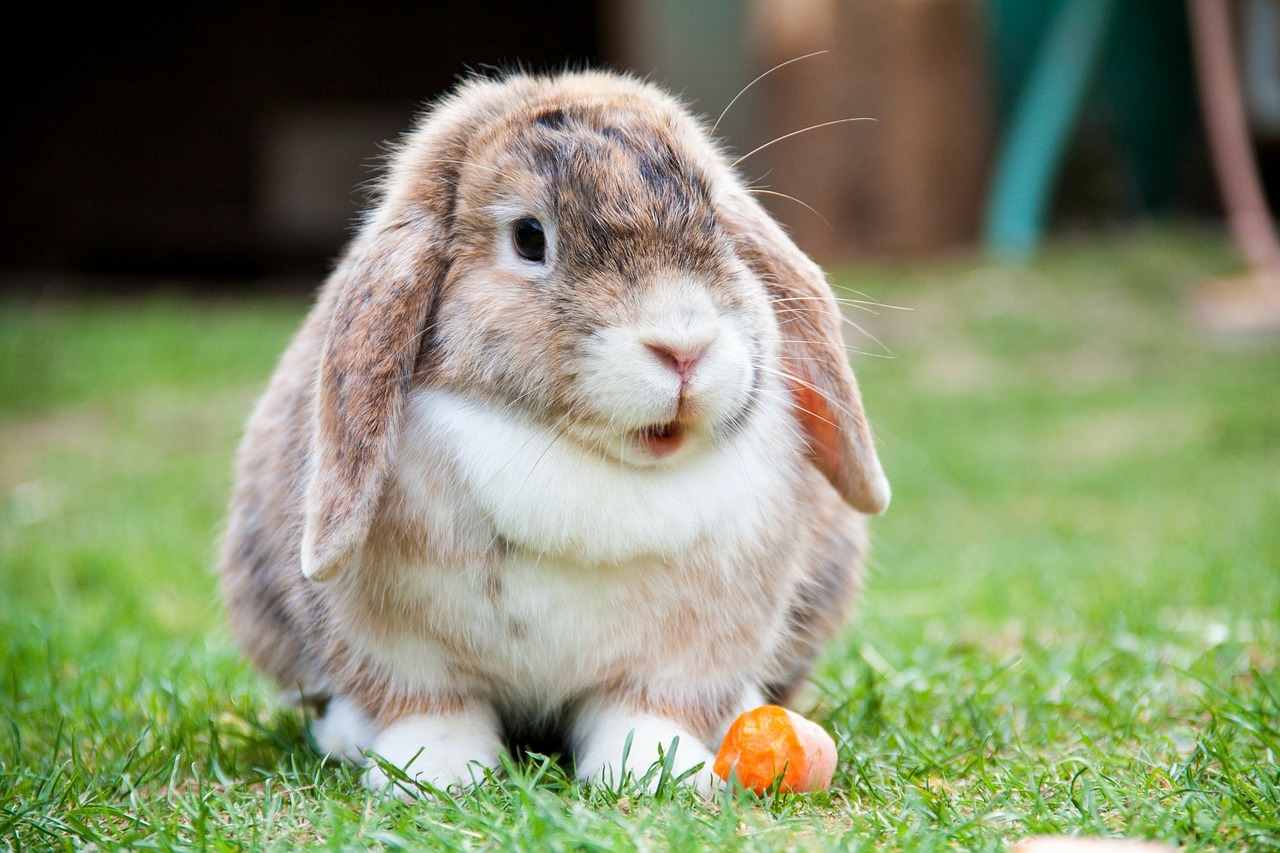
x=767, y=742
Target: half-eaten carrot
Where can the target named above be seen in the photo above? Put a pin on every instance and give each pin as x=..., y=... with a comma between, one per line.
x=768, y=742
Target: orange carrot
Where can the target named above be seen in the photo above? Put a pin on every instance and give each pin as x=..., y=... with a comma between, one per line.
x=768, y=742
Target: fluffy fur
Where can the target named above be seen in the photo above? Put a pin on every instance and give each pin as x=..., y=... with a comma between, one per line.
x=616, y=491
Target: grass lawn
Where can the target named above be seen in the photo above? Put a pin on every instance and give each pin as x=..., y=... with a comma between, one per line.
x=1071, y=625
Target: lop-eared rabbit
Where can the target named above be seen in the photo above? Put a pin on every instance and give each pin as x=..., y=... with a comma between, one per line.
x=568, y=442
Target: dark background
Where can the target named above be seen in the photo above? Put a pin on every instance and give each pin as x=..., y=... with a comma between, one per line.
x=231, y=145
x=163, y=144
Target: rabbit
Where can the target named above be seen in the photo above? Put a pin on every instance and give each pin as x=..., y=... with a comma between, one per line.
x=569, y=442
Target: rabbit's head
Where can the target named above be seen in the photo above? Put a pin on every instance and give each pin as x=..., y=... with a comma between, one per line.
x=575, y=249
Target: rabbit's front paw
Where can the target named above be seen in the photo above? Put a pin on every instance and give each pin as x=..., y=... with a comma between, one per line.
x=616, y=743
x=439, y=751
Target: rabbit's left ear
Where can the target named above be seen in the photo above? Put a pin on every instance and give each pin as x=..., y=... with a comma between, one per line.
x=827, y=403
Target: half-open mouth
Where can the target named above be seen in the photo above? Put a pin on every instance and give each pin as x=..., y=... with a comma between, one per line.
x=661, y=439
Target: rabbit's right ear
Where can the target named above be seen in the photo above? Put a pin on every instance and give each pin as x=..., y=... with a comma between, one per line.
x=380, y=302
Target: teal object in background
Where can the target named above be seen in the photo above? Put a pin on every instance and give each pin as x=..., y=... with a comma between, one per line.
x=1040, y=125
x=1125, y=64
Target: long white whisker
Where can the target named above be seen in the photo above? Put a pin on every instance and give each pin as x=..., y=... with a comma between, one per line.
x=760, y=148
x=869, y=307
x=863, y=331
x=871, y=298
x=844, y=318
x=841, y=300
x=797, y=380
x=803, y=383
x=744, y=89
x=519, y=450
x=555, y=436
x=797, y=201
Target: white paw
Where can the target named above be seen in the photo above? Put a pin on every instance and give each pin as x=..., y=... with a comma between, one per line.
x=440, y=750
x=603, y=736
x=344, y=732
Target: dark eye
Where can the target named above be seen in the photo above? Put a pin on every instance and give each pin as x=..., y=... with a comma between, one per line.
x=530, y=240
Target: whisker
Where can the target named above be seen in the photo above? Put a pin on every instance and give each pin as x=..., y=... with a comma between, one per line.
x=797, y=201
x=760, y=148
x=814, y=358
x=871, y=298
x=831, y=401
x=555, y=436
x=744, y=89
x=512, y=404
x=787, y=400
x=870, y=308
x=849, y=349
x=786, y=374
x=863, y=331
x=862, y=304
x=845, y=319
x=846, y=345
x=791, y=315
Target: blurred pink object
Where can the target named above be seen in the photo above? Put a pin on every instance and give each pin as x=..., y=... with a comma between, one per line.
x=1251, y=302
x=1071, y=844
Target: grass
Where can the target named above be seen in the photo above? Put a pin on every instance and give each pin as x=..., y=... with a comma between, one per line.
x=1071, y=626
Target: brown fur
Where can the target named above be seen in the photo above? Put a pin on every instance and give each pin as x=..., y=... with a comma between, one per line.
x=704, y=715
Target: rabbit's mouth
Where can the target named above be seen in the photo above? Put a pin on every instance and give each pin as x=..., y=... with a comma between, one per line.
x=660, y=440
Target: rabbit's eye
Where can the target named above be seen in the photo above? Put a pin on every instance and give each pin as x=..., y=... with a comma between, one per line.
x=530, y=240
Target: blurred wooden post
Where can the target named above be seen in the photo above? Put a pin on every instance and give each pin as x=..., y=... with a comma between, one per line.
x=912, y=181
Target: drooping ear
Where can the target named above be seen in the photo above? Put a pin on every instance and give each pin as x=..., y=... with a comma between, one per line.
x=379, y=301
x=828, y=406
x=379, y=304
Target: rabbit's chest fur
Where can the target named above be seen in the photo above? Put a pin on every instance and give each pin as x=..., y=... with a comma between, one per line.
x=515, y=560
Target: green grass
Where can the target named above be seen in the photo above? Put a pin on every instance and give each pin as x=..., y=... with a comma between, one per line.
x=1071, y=625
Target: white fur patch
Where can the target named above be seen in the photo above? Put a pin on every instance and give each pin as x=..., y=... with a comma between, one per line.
x=603, y=733
x=605, y=553
x=442, y=750
x=344, y=732
x=548, y=493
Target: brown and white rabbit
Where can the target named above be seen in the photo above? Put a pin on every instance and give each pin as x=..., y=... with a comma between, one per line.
x=569, y=440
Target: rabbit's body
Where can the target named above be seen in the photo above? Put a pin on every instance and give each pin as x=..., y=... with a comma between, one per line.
x=567, y=473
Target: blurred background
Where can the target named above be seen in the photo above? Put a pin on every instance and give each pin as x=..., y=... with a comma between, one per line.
x=228, y=144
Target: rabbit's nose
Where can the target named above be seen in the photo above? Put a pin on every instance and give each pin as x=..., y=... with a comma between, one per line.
x=680, y=358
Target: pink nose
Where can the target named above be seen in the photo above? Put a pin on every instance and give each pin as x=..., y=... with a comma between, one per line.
x=681, y=360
